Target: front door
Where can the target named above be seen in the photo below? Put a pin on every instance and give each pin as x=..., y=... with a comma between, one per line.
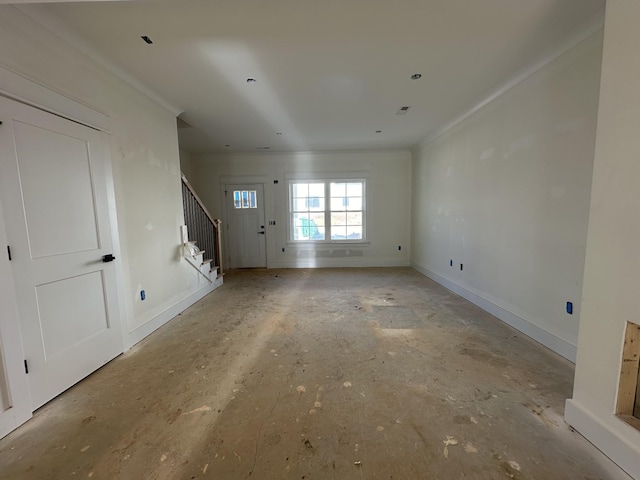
x=54, y=198
x=245, y=226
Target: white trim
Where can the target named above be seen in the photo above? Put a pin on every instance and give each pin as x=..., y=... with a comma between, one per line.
x=11, y=348
x=594, y=25
x=338, y=262
x=36, y=13
x=163, y=317
x=321, y=175
x=30, y=92
x=115, y=241
x=327, y=179
x=624, y=454
x=328, y=243
x=558, y=345
x=191, y=261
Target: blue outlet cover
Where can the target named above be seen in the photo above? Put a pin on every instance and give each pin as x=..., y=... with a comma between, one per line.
x=570, y=308
x=142, y=295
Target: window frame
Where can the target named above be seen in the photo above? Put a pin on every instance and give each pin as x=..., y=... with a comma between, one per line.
x=327, y=180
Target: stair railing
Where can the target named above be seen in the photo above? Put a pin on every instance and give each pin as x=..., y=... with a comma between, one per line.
x=201, y=226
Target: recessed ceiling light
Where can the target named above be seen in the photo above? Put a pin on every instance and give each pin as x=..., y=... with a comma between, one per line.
x=251, y=81
x=146, y=39
x=416, y=76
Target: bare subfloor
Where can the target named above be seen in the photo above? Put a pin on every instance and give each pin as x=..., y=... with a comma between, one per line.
x=316, y=374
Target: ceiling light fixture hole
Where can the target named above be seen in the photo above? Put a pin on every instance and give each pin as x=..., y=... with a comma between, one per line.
x=251, y=81
x=416, y=76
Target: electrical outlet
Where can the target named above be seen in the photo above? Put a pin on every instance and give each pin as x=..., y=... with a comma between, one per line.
x=399, y=247
x=451, y=263
x=460, y=267
x=142, y=295
x=570, y=308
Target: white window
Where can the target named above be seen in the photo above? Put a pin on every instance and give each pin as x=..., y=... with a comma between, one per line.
x=327, y=210
x=244, y=199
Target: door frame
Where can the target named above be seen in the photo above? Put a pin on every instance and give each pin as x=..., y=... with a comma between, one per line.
x=23, y=90
x=242, y=180
x=11, y=348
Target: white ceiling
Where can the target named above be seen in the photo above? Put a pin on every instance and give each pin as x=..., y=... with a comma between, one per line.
x=329, y=72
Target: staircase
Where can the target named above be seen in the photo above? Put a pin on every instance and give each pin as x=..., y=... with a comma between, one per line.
x=203, y=233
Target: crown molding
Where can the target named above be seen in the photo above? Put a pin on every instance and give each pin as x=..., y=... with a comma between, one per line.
x=592, y=27
x=58, y=28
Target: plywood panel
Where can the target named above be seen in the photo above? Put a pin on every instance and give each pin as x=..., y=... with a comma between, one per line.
x=629, y=370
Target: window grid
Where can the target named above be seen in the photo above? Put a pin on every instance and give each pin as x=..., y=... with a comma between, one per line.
x=340, y=218
x=245, y=199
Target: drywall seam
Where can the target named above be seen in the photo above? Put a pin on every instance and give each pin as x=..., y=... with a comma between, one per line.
x=151, y=325
x=596, y=25
x=612, y=445
x=558, y=345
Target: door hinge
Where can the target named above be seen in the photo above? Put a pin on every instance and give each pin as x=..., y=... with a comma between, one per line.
x=9, y=252
x=26, y=366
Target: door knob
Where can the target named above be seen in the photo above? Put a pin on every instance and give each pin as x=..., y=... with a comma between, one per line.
x=108, y=258
x=261, y=233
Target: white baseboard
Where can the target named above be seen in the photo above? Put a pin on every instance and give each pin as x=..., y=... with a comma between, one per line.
x=160, y=319
x=622, y=453
x=561, y=347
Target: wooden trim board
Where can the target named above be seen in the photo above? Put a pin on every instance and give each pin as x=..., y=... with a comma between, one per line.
x=629, y=370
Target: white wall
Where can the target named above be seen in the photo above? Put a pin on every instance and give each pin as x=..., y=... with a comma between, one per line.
x=389, y=194
x=611, y=280
x=505, y=192
x=145, y=161
x=186, y=164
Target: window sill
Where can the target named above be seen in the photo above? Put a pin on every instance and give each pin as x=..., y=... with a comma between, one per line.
x=354, y=243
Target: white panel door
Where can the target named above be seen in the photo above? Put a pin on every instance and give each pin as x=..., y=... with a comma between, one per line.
x=245, y=226
x=53, y=188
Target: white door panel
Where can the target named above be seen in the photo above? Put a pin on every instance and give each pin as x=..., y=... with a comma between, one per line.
x=246, y=227
x=57, y=224
x=74, y=205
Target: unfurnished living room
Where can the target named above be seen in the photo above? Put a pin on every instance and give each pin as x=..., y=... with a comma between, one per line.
x=319, y=240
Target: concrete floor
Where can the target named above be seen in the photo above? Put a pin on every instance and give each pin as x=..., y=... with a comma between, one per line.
x=317, y=374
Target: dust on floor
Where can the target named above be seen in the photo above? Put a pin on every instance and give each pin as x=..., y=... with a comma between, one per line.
x=317, y=374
